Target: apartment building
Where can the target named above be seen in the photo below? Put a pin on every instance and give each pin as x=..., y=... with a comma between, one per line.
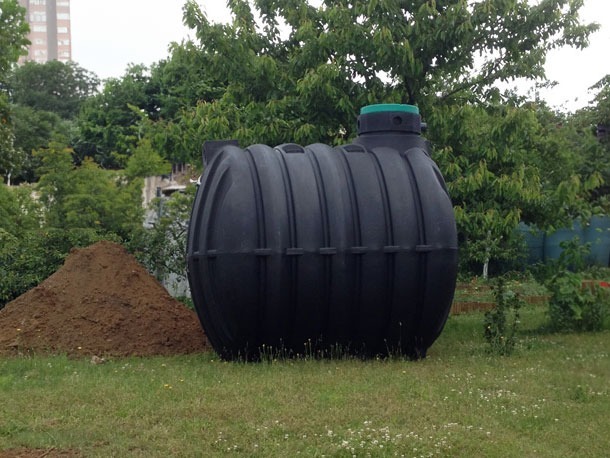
x=49, y=30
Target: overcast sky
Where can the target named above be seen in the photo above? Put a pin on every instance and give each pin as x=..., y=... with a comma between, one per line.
x=108, y=35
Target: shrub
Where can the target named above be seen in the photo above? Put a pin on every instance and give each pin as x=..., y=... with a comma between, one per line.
x=574, y=306
x=27, y=260
x=502, y=321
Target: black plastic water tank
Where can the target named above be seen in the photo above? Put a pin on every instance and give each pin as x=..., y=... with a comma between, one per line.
x=312, y=248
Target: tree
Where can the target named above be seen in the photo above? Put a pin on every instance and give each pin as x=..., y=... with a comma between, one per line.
x=506, y=164
x=11, y=158
x=184, y=79
x=109, y=121
x=19, y=211
x=76, y=206
x=26, y=253
x=593, y=124
x=87, y=197
x=602, y=104
x=29, y=257
x=305, y=85
x=602, y=124
x=35, y=129
x=426, y=50
x=145, y=161
x=162, y=248
x=306, y=82
x=13, y=43
x=54, y=87
x=13, y=35
x=489, y=181
x=54, y=184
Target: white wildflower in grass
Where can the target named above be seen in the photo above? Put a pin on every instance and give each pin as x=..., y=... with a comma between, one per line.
x=369, y=440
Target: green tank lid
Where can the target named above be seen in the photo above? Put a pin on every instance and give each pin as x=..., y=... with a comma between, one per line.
x=384, y=107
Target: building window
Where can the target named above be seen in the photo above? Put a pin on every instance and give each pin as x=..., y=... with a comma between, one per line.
x=39, y=28
x=38, y=17
x=39, y=41
x=62, y=29
x=63, y=42
x=38, y=2
x=63, y=3
x=63, y=16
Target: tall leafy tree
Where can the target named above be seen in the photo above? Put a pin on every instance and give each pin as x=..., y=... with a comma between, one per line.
x=13, y=35
x=602, y=106
x=505, y=164
x=35, y=129
x=602, y=124
x=109, y=122
x=27, y=252
x=87, y=197
x=13, y=43
x=54, y=184
x=19, y=211
x=587, y=131
x=11, y=158
x=305, y=83
x=184, y=79
x=426, y=49
x=54, y=86
x=145, y=162
x=305, y=80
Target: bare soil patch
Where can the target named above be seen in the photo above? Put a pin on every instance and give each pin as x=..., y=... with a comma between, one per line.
x=101, y=302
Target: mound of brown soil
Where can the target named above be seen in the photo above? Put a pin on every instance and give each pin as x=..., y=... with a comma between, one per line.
x=100, y=302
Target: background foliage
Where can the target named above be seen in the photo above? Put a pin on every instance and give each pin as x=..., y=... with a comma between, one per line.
x=286, y=71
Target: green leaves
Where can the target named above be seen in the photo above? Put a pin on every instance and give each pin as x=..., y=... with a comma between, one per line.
x=87, y=197
x=162, y=248
x=498, y=164
x=30, y=248
x=576, y=305
x=501, y=323
x=19, y=211
x=502, y=163
x=29, y=257
x=13, y=35
x=53, y=87
x=251, y=80
x=145, y=161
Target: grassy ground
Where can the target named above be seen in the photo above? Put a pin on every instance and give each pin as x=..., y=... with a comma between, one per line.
x=550, y=399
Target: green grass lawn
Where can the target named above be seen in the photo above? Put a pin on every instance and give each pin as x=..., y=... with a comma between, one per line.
x=550, y=399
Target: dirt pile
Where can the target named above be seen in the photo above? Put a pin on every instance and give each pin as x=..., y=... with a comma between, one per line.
x=100, y=302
